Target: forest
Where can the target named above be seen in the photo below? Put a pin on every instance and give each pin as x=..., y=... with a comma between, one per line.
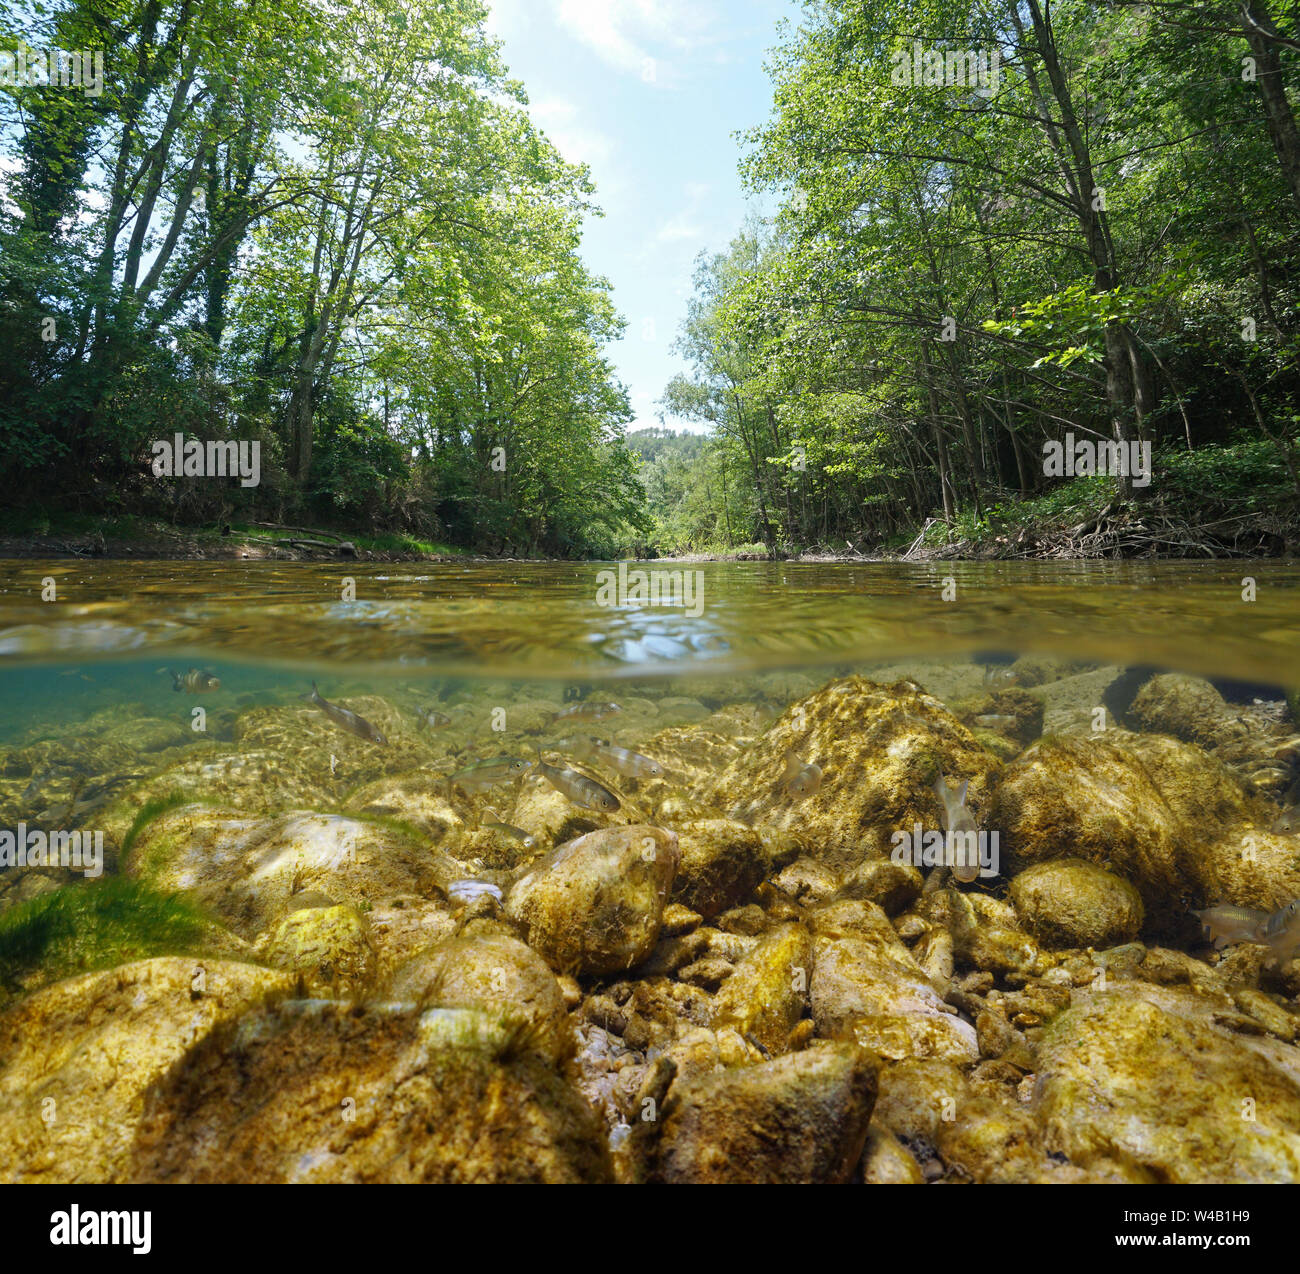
x=336, y=232
x=332, y=230
x=1001, y=225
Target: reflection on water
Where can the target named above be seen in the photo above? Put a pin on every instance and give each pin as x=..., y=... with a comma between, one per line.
x=545, y=619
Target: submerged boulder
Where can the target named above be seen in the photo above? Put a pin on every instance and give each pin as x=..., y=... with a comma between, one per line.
x=1068, y=902
x=327, y=948
x=245, y=870
x=800, y=1119
x=722, y=862
x=314, y=1091
x=1093, y=799
x=595, y=905
x=767, y=993
x=77, y=1057
x=485, y=968
x=879, y=749
x=1169, y=1094
x=1189, y=708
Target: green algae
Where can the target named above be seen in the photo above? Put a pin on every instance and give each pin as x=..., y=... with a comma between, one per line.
x=155, y=809
x=97, y=925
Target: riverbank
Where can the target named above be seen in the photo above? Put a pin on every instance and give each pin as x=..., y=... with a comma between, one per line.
x=119, y=538
x=1237, y=511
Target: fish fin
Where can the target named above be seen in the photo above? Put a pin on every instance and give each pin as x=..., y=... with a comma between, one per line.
x=961, y=796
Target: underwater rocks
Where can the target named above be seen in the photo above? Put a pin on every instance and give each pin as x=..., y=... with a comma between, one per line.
x=595, y=905
x=1093, y=799
x=985, y=933
x=799, y=1118
x=722, y=862
x=1170, y=1096
x=551, y=818
x=513, y=1010
x=879, y=748
x=1159, y=813
x=887, y=1162
x=328, y=949
x=1189, y=708
x=1070, y=704
x=418, y=799
x=77, y=1057
x=485, y=968
x=866, y=986
x=1250, y=868
x=766, y=994
x=256, y=781
x=1072, y=903
x=317, y=1091
x=246, y=869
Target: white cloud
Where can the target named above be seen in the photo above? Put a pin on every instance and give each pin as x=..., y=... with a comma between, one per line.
x=638, y=36
x=574, y=138
x=507, y=19
x=684, y=226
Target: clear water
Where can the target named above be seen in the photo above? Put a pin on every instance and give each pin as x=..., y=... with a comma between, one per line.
x=93, y=734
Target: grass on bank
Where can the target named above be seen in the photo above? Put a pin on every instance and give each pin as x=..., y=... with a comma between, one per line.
x=1201, y=486
x=45, y=523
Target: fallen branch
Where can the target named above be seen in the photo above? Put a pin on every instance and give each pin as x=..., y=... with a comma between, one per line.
x=302, y=530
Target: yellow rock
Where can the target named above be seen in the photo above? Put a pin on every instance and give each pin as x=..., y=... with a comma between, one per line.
x=313, y=1091
x=767, y=994
x=327, y=948
x=77, y=1057
x=879, y=749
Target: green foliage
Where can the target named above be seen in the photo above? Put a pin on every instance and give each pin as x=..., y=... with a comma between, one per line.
x=1100, y=240
x=333, y=231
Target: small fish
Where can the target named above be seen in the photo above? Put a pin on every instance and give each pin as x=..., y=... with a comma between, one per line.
x=580, y=789
x=194, y=681
x=345, y=718
x=309, y=900
x=1278, y=930
x=484, y=774
x=1287, y=822
x=958, y=821
x=623, y=761
x=1270, y=775
x=431, y=719
x=1000, y=678
x=514, y=833
x=799, y=780
x=996, y=721
x=586, y=713
x=33, y=789
x=468, y=891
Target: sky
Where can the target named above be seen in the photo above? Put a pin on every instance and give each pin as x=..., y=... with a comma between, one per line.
x=649, y=94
